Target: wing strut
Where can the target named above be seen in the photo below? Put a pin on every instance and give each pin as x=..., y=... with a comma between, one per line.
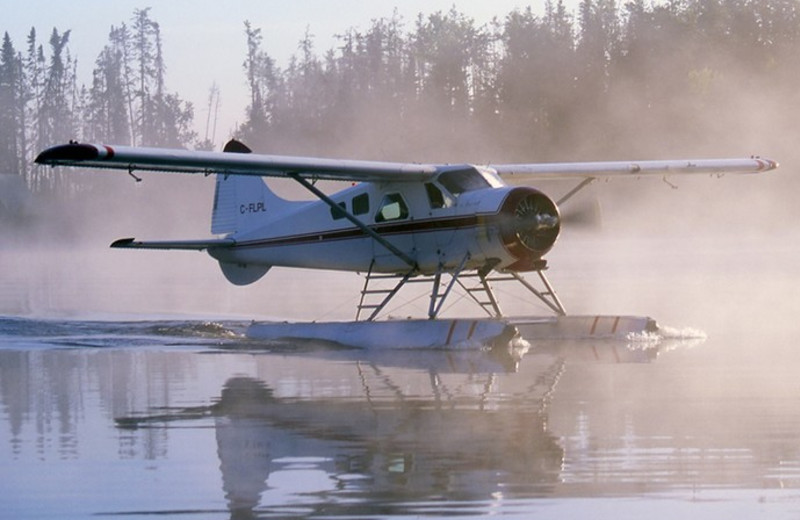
x=585, y=182
x=435, y=307
x=363, y=227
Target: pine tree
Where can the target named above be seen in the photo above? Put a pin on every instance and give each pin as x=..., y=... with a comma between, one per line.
x=9, y=101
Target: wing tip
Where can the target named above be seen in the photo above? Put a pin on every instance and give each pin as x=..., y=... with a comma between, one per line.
x=768, y=164
x=122, y=242
x=71, y=152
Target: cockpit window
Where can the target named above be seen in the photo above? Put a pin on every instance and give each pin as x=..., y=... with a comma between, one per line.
x=392, y=207
x=435, y=196
x=459, y=181
x=361, y=204
x=338, y=211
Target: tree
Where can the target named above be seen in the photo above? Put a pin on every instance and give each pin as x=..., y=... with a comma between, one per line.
x=449, y=48
x=55, y=117
x=107, y=117
x=262, y=79
x=55, y=100
x=536, y=79
x=159, y=118
x=10, y=130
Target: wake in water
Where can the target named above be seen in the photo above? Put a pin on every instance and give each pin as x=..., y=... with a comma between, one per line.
x=667, y=338
x=45, y=333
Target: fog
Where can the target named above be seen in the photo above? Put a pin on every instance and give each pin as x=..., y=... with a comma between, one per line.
x=710, y=254
x=710, y=423
x=690, y=251
x=695, y=255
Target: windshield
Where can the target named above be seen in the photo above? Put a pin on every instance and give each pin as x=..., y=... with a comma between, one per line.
x=459, y=181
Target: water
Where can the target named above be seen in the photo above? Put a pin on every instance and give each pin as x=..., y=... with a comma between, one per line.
x=140, y=414
x=186, y=418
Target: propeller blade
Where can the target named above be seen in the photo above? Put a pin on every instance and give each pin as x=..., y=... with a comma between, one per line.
x=586, y=215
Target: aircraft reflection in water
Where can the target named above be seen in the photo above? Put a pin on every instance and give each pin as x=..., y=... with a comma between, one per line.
x=395, y=426
x=158, y=419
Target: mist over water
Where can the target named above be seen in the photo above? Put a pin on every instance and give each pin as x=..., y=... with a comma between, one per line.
x=706, y=426
x=714, y=246
x=704, y=429
x=652, y=233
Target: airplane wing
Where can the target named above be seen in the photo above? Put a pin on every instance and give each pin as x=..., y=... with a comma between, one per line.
x=590, y=170
x=204, y=162
x=186, y=161
x=190, y=245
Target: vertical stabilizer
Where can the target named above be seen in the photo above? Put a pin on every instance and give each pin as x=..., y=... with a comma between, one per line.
x=242, y=202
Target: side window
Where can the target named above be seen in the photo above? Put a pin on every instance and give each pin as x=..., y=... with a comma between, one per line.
x=392, y=207
x=361, y=204
x=336, y=213
x=435, y=196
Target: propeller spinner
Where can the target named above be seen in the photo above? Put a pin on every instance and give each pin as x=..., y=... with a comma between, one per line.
x=529, y=226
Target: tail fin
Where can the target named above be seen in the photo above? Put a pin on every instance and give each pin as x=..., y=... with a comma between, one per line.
x=241, y=202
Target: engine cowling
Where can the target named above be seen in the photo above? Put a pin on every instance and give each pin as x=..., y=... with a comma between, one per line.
x=529, y=226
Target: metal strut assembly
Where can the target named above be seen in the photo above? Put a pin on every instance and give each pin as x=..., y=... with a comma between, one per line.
x=437, y=299
x=387, y=294
x=548, y=296
x=482, y=293
x=489, y=303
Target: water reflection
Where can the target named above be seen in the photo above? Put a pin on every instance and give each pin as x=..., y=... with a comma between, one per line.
x=392, y=428
x=402, y=451
x=266, y=431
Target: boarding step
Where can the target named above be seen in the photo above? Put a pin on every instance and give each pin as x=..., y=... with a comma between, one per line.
x=368, y=303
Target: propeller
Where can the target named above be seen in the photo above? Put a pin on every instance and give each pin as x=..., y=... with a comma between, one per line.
x=585, y=215
x=536, y=221
x=530, y=221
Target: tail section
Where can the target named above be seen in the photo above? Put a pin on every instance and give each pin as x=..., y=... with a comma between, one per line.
x=242, y=202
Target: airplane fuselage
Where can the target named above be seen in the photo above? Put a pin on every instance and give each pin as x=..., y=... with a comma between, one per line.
x=467, y=212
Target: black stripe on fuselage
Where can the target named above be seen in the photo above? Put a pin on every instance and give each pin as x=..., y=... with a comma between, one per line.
x=406, y=227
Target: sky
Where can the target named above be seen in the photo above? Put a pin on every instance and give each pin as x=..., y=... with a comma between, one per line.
x=204, y=41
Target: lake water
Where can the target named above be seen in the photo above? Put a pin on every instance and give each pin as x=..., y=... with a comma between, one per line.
x=184, y=418
x=147, y=415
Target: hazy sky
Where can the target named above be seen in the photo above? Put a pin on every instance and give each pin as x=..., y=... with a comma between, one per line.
x=204, y=40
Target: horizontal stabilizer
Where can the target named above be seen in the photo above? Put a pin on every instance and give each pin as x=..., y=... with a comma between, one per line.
x=189, y=245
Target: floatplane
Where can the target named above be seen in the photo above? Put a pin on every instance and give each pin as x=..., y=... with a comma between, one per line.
x=448, y=225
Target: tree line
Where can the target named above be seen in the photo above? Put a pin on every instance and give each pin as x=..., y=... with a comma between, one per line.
x=609, y=79
x=654, y=77
x=42, y=103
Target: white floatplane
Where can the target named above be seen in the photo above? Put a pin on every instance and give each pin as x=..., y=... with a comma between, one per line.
x=446, y=224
